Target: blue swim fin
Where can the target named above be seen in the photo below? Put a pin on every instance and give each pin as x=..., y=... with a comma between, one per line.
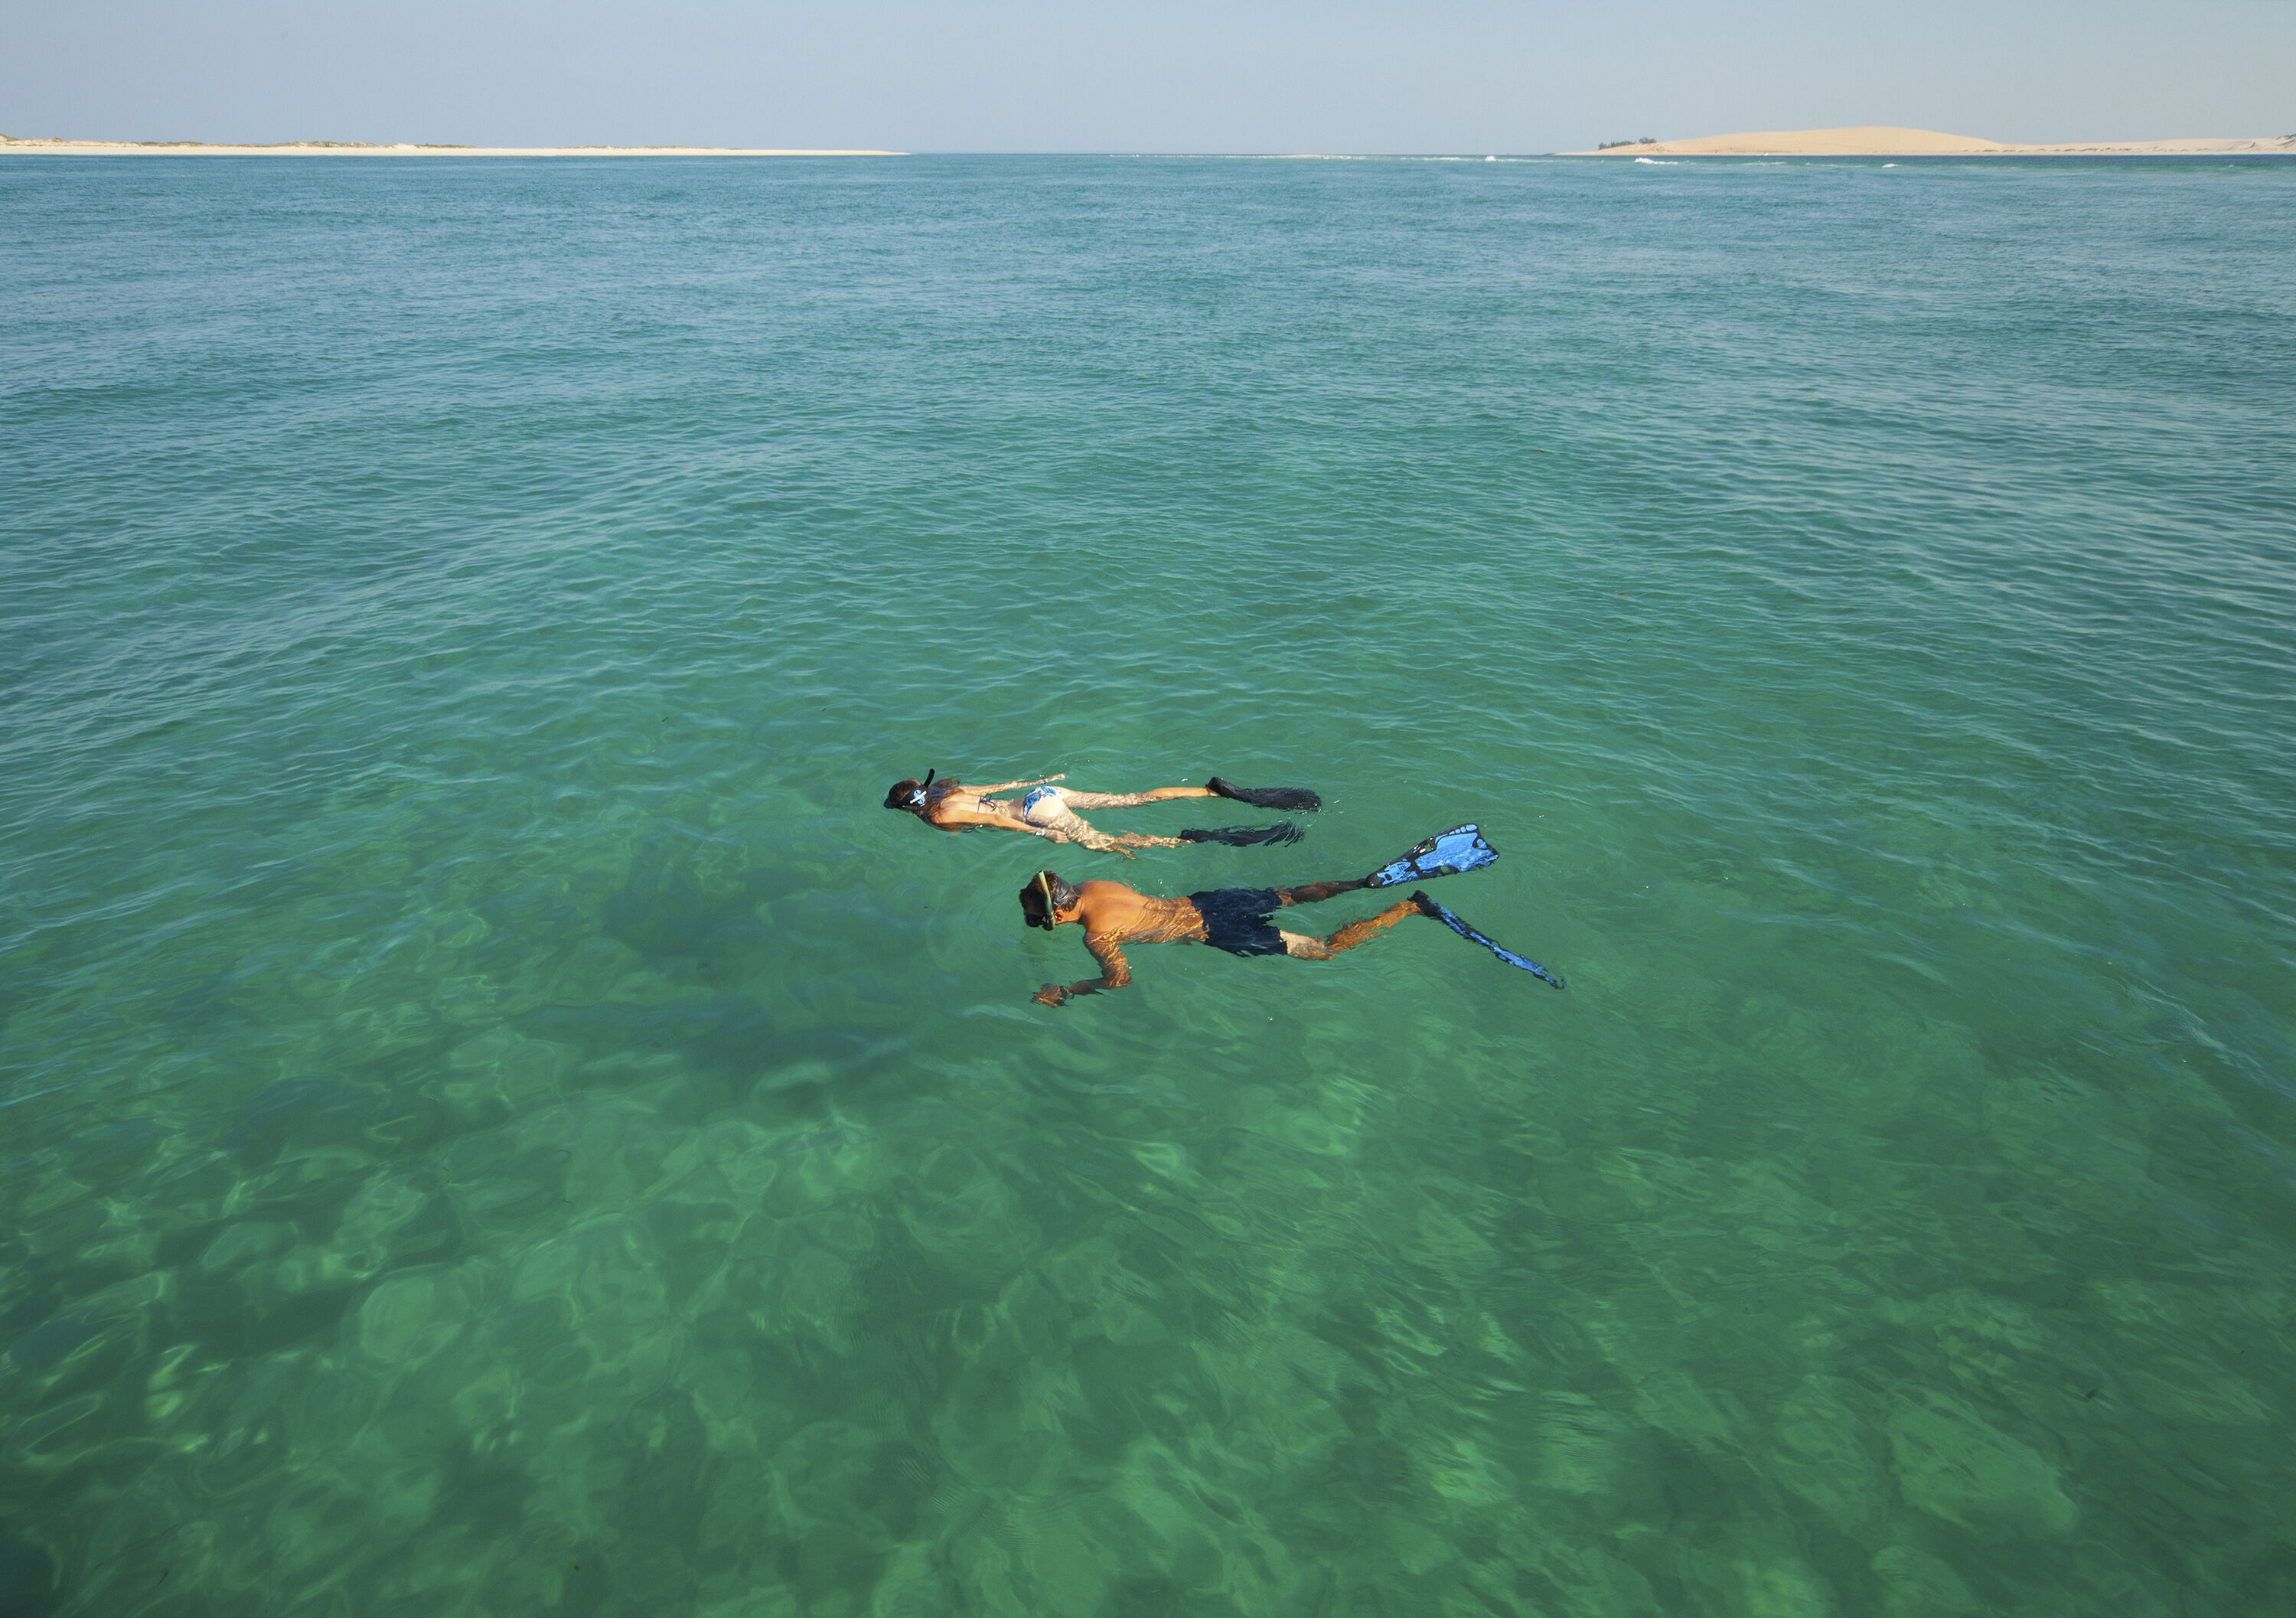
x=1445, y=854
x=1473, y=937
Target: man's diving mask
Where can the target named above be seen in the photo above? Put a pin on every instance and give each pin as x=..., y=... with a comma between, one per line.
x=1049, y=895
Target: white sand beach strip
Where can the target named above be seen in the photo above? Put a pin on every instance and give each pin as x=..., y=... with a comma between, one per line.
x=1877, y=140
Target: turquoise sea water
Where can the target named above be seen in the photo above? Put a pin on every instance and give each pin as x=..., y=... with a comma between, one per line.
x=495, y=1120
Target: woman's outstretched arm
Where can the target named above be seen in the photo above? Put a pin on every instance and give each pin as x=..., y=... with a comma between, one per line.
x=1006, y=786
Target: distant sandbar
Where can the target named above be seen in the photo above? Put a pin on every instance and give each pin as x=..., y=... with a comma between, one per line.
x=63, y=148
x=1873, y=140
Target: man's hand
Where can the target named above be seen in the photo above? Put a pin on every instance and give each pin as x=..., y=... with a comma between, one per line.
x=1052, y=994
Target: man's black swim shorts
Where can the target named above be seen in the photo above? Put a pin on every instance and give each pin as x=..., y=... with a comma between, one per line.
x=1235, y=919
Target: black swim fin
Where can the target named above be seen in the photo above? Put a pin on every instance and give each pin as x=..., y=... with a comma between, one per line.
x=1445, y=854
x=1430, y=908
x=1245, y=837
x=1293, y=798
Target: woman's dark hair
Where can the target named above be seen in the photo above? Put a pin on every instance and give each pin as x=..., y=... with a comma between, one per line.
x=1044, y=886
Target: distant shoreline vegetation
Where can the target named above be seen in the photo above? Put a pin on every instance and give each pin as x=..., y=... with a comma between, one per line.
x=1643, y=140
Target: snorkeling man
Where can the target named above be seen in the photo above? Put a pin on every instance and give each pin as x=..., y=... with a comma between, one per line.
x=1233, y=919
x=1237, y=919
x=1050, y=811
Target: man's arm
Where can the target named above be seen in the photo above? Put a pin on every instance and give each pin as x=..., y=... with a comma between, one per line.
x=1115, y=972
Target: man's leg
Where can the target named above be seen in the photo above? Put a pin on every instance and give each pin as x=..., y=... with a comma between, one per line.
x=1301, y=948
x=1315, y=892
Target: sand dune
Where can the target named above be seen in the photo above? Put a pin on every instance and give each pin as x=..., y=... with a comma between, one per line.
x=1876, y=140
x=62, y=148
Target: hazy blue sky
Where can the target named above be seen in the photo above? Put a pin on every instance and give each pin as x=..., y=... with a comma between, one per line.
x=1175, y=76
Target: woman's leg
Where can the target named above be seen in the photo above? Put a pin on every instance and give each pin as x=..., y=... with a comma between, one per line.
x=1056, y=817
x=1099, y=801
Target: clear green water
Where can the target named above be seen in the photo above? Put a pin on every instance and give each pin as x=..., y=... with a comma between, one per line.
x=496, y=1120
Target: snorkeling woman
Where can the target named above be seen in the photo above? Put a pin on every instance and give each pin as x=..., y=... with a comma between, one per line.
x=1050, y=811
